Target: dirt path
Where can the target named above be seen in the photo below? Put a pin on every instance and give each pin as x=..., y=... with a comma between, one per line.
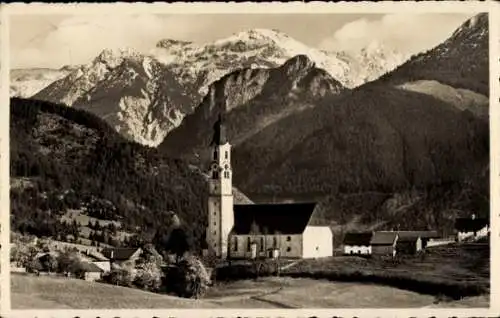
x=259, y=298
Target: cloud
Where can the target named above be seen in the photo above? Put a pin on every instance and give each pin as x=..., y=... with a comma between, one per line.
x=54, y=41
x=78, y=39
x=408, y=33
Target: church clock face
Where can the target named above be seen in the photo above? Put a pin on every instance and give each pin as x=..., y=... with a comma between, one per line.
x=214, y=166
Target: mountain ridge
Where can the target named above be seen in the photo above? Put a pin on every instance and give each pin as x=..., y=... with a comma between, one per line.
x=190, y=69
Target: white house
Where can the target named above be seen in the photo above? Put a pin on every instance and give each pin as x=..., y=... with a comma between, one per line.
x=471, y=228
x=257, y=230
x=357, y=243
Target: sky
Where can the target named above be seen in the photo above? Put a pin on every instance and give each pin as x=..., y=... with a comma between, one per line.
x=56, y=40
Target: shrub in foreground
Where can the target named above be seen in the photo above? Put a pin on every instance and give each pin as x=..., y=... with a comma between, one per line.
x=188, y=278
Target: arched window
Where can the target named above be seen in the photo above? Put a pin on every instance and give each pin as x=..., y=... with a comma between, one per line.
x=227, y=154
x=226, y=174
x=261, y=244
x=215, y=155
x=215, y=174
x=235, y=243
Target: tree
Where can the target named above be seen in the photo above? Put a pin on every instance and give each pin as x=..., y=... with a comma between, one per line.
x=120, y=277
x=69, y=262
x=34, y=266
x=148, y=276
x=22, y=254
x=49, y=262
x=189, y=278
x=178, y=242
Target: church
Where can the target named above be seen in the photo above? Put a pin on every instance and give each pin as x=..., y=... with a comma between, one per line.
x=257, y=230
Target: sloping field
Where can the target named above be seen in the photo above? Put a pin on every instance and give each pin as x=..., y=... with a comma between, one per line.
x=31, y=292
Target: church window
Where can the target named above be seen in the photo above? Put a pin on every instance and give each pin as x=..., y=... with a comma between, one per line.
x=215, y=174
x=275, y=241
x=248, y=244
x=215, y=223
x=227, y=154
x=288, y=249
x=215, y=155
x=235, y=244
x=261, y=244
x=226, y=174
x=288, y=238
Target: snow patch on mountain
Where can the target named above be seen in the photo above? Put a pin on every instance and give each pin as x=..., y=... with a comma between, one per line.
x=145, y=96
x=27, y=82
x=134, y=93
x=371, y=62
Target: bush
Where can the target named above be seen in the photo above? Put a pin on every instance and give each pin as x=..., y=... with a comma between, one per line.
x=148, y=277
x=119, y=277
x=188, y=279
x=34, y=266
x=69, y=262
x=246, y=271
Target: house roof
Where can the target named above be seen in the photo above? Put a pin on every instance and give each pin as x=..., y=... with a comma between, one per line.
x=95, y=256
x=357, y=238
x=470, y=225
x=120, y=254
x=91, y=267
x=383, y=238
x=408, y=238
x=416, y=234
x=289, y=218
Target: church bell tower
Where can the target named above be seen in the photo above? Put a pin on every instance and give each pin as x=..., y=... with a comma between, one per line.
x=220, y=200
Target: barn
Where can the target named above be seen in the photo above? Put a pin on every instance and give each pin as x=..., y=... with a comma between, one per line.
x=408, y=244
x=91, y=272
x=384, y=243
x=357, y=243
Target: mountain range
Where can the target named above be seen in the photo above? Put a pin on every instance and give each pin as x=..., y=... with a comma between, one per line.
x=145, y=96
x=425, y=124
x=409, y=149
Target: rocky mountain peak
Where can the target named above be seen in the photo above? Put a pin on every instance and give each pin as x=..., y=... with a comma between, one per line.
x=298, y=63
x=476, y=26
x=114, y=57
x=168, y=43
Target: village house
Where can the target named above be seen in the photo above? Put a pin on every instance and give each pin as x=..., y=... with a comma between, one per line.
x=471, y=228
x=285, y=230
x=411, y=242
x=121, y=255
x=408, y=244
x=384, y=243
x=91, y=272
x=357, y=243
x=97, y=259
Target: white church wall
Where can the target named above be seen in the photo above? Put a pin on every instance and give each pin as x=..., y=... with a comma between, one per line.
x=290, y=246
x=317, y=242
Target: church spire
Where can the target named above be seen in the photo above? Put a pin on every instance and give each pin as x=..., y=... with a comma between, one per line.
x=220, y=134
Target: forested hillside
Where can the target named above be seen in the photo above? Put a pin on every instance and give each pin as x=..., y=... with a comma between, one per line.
x=66, y=158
